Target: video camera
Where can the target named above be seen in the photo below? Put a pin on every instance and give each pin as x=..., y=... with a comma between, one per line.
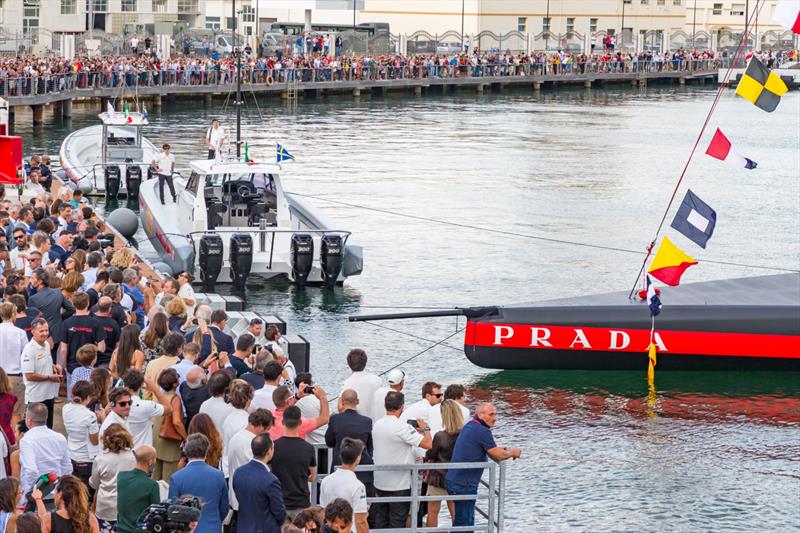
x=171, y=516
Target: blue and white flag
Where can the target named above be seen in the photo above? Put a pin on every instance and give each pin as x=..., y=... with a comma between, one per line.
x=653, y=301
x=283, y=154
x=695, y=219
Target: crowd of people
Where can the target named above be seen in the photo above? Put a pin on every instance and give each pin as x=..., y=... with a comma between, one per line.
x=120, y=390
x=36, y=75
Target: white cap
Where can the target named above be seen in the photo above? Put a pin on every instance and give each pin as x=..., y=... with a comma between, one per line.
x=396, y=376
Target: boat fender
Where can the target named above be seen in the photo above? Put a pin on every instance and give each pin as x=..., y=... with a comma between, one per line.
x=124, y=221
x=85, y=185
x=270, y=81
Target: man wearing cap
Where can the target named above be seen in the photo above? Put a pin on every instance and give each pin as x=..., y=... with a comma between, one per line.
x=364, y=383
x=396, y=379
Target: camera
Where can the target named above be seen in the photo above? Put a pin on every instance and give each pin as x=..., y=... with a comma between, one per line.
x=105, y=239
x=171, y=516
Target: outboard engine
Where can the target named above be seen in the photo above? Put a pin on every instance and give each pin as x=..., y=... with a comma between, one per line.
x=210, y=260
x=241, y=258
x=113, y=176
x=302, y=257
x=151, y=172
x=133, y=179
x=331, y=255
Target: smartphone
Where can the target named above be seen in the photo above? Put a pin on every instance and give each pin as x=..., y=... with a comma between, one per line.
x=309, y=389
x=413, y=423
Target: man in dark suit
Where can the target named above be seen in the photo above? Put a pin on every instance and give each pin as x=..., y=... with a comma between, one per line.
x=51, y=302
x=261, y=508
x=202, y=481
x=348, y=423
x=223, y=341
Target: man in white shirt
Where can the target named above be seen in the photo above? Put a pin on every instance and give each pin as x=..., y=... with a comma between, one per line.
x=239, y=451
x=142, y=412
x=310, y=407
x=216, y=407
x=431, y=395
x=41, y=450
x=394, y=442
x=240, y=396
x=40, y=375
x=364, y=383
x=186, y=291
x=12, y=342
x=396, y=380
x=453, y=392
x=215, y=139
x=119, y=401
x=344, y=484
x=164, y=165
x=262, y=399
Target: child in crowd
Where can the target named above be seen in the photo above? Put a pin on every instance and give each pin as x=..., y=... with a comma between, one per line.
x=87, y=358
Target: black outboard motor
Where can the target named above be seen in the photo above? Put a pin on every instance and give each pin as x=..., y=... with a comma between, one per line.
x=151, y=172
x=302, y=257
x=133, y=179
x=331, y=255
x=241, y=258
x=210, y=260
x=113, y=177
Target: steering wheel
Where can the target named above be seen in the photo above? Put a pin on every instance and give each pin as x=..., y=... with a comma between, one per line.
x=245, y=189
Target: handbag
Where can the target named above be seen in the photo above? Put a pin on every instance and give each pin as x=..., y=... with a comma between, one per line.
x=168, y=431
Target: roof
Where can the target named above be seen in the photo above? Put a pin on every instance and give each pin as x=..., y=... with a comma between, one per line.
x=773, y=290
x=119, y=119
x=209, y=166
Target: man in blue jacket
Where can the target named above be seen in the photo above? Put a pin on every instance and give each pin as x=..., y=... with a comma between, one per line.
x=259, y=492
x=200, y=480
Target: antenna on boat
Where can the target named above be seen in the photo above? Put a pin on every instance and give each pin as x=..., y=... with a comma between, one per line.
x=238, y=103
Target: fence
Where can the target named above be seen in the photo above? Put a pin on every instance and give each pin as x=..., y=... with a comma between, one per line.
x=370, y=71
x=489, y=500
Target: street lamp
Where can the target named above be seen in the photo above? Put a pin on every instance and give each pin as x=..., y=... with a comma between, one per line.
x=694, y=23
x=622, y=30
x=462, y=26
x=354, y=15
x=547, y=32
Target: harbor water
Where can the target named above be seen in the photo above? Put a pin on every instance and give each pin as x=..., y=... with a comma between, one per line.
x=447, y=195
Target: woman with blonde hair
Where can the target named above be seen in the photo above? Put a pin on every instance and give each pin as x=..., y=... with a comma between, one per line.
x=176, y=310
x=202, y=423
x=72, y=283
x=72, y=508
x=117, y=456
x=122, y=258
x=442, y=452
x=80, y=260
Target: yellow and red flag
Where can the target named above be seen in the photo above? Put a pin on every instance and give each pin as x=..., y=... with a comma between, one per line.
x=670, y=263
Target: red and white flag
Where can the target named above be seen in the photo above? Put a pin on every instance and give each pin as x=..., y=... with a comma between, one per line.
x=721, y=148
x=787, y=14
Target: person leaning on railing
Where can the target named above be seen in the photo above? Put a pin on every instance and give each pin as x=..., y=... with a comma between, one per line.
x=474, y=444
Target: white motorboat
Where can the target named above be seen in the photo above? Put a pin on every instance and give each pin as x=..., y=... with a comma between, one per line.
x=233, y=219
x=111, y=158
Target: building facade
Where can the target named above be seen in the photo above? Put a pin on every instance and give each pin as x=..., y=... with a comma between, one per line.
x=219, y=16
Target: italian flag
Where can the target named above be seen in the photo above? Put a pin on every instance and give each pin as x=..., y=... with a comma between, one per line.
x=787, y=14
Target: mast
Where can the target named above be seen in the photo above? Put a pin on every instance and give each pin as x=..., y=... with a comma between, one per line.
x=238, y=103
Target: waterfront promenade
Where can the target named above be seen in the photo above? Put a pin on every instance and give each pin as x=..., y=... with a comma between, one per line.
x=63, y=89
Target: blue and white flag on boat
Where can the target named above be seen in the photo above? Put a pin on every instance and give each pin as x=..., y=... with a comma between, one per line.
x=695, y=219
x=284, y=155
x=653, y=301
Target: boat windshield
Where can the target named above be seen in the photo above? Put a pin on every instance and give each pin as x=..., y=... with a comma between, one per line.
x=216, y=180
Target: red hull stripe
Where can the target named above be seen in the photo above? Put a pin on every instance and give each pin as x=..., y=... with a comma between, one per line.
x=546, y=337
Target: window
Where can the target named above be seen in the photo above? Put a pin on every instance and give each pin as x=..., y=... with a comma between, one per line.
x=570, y=24
x=212, y=23
x=676, y=2
x=737, y=10
x=592, y=25
x=129, y=5
x=661, y=2
x=229, y=23
x=98, y=6
x=717, y=9
x=160, y=6
x=248, y=14
x=546, y=24
x=187, y=6
x=522, y=23
x=69, y=7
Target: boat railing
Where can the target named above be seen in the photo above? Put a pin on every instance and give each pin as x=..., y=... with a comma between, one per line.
x=489, y=500
x=263, y=231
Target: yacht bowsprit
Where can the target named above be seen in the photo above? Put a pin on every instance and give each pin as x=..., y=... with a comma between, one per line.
x=233, y=219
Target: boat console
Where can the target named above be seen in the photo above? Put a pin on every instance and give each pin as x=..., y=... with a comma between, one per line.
x=245, y=201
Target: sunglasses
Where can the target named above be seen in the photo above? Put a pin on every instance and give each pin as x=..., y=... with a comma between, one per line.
x=18, y=237
x=439, y=395
x=32, y=259
x=124, y=403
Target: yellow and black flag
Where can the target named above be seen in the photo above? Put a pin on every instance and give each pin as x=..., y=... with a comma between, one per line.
x=761, y=86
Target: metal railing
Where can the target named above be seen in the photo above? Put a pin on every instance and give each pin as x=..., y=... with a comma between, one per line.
x=491, y=489
x=187, y=78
